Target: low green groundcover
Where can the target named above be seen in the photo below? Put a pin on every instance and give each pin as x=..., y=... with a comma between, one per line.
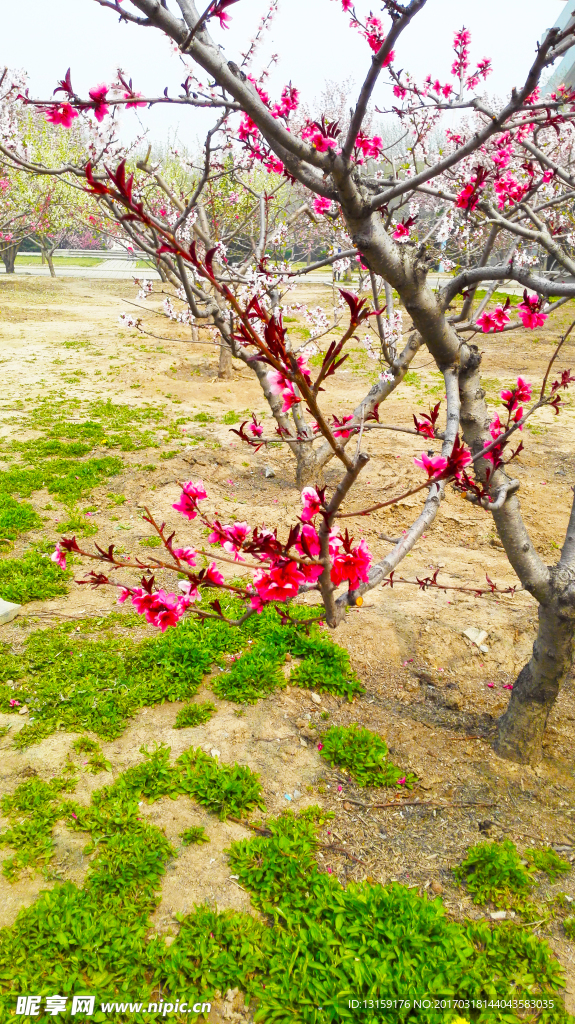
x=314, y=948
x=72, y=677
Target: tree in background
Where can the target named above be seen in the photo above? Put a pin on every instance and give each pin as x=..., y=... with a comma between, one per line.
x=44, y=208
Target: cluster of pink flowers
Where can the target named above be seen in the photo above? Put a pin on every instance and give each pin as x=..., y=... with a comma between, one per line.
x=351, y=565
x=493, y=321
x=280, y=385
x=401, y=233
x=530, y=313
x=134, y=100
x=372, y=31
x=248, y=129
x=191, y=494
x=512, y=399
x=437, y=87
x=438, y=467
x=256, y=428
x=339, y=426
x=219, y=11
x=509, y=190
x=349, y=562
x=469, y=195
x=62, y=114
x=426, y=425
x=58, y=556
x=369, y=147
x=288, y=104
x=320, y=140
x=481, y=72
x=321, y=205
x=231, y=538
x=160, y=608
x=460, y=66
x=374, y=34
x=503, y=152
x=461, y=42
x=98, y=94
x=279, y=581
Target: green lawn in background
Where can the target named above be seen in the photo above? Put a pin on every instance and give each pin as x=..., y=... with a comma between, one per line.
x=58, y=261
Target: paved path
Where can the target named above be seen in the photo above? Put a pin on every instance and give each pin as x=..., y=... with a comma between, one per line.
x=118, y=269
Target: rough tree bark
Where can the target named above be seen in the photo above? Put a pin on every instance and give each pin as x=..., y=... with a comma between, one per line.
x=521, y=728
x=225, y=368
x=9, y=254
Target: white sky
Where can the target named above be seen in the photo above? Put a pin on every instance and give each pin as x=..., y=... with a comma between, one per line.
x=312, y=37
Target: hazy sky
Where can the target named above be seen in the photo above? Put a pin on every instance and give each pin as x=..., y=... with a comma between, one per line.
x=312, y=37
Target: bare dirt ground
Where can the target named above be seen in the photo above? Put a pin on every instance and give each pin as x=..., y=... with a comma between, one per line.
x=428, y=689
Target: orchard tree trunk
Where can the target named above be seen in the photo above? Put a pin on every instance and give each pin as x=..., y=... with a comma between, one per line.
x=225, y=368
x=50, y=262
x=9, y=254
x=308, y=472
x=521, y=728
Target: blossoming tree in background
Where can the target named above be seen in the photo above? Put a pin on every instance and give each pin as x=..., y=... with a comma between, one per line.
x=246, y=215
x=493, y=198
x=35, y=203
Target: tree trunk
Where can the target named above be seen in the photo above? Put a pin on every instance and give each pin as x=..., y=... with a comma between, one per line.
x=9, y=254
x=50, y=262
x=225, y=368
x=308, y=473
x=521, y=728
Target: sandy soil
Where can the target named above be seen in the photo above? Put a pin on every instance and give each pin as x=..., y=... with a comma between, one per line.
x=426, y=684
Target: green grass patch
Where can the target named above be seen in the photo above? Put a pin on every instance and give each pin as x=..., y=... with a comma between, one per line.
x=363, y=754
x=33, y=577
x=150, y=542
x=254, y=675
x=412, y=378
x=33, y=809
x=97, y=762
x=59, y=261
x=73, y=679
x=78, y=683
x=107, y=425
x=77, y=523
x=16, y=517
x=495, y=871
x=258, y=671
x=549, y=861
x=67, y=479
x=224, y=789
x=196, y=834
x=319, y=946
x=330, y=944
x=194, y=714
